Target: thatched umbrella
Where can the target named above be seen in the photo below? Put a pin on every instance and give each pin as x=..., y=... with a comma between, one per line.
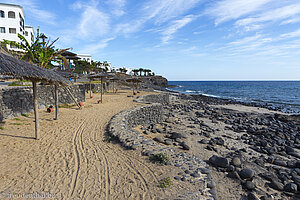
x=133, y=80
x=69, y=74
x=100, y=75
x=12, y=66
x=70, y=56
x=113, y=79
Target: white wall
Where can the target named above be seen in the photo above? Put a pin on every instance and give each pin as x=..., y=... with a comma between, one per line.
x=85, y=57
x=18, y=23
x=29, y=34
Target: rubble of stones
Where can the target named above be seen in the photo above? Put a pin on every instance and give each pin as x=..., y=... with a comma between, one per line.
x=193, y=169
x=274, y=137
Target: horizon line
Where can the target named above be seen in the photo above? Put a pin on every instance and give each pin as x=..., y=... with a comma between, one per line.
x=242, y=80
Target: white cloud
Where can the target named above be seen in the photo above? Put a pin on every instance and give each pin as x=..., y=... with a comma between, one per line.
x=291, y=34
x=176, y=25
x=117, y=7
x=226, y=10
x=93, y=23
x=246, y=40
x=163, y=11
x=95, y=47
x=291, y=21
x=283, y=13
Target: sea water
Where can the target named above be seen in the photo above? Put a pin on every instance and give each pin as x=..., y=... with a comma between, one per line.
x=280, y=94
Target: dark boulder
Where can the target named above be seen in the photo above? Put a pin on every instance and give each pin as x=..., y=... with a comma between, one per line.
x=219, y=161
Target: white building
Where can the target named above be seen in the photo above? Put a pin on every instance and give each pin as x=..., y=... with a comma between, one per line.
x=12, y=23
x=85, y=57
x=29, y=34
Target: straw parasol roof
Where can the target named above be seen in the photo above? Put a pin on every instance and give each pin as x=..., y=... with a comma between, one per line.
x=133, y=81
x=100, y=75
x=70, y=55
x=15, y=67
x=66, y=73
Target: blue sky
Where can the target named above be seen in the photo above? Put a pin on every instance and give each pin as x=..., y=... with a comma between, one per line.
x=179, y=39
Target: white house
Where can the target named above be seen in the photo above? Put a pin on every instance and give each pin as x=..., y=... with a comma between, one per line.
x=12, y=22
x=85, y=57
x=29, y=34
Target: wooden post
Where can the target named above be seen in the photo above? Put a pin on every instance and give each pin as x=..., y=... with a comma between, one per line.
x=36, y=110
x=113, y=86
x=132, y=88
x=90, y=88
x=56, y=101
x=74, y=99
x=101, y=88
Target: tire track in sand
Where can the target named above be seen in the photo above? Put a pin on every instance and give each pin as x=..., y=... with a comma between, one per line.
x=77, y=149
x=110, y=151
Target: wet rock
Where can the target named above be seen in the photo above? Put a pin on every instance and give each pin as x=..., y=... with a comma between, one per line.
x=246, y=173
x=219, y=161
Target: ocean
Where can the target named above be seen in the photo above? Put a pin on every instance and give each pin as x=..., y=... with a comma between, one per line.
x=284, y=95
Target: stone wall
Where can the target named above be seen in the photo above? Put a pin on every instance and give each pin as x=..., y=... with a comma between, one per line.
x=18, y=100
x=121, y=124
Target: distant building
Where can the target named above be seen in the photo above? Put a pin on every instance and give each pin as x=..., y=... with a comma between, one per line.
x=12, y=23
x=85, y=57
x=29, y=34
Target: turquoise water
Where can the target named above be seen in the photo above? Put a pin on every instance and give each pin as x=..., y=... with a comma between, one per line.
x=281, y=94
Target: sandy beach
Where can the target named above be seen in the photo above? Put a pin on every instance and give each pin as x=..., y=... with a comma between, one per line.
x=72, y=160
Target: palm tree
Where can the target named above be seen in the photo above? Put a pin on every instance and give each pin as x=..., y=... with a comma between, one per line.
x=141, y=70
x=135, y=71
x=147, y=71
x=41, y=53
x=123, y=70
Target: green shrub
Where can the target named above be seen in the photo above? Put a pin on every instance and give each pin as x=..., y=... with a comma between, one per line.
x=160, y=158
x=17, y=119
x=25, y=115
x=1, y=127
x=166, y=182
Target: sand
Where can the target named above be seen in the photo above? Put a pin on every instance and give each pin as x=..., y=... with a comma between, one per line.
x=72, y=159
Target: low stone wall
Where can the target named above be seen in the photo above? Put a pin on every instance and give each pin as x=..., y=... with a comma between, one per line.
x=17, y=100
x=121, y=126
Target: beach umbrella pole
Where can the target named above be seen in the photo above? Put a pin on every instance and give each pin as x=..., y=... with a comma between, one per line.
x=101, y=88
x=90, y=88
x=113, y=86
x=36, y=111
x=56, y=101
x=132, y=88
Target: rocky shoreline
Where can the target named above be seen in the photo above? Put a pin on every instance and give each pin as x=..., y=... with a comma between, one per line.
x=248, y=152
x=257, y=151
